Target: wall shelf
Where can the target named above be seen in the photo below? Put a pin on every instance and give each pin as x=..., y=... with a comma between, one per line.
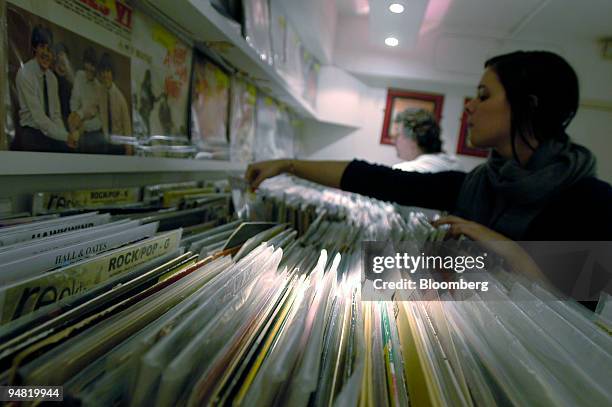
x=201, y=23
x=35, y=163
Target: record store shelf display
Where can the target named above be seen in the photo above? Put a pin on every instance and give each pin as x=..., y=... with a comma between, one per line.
x=181, y=80
x=162, y=296
x=132, y=82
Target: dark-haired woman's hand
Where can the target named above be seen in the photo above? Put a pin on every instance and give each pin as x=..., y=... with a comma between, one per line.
x=473, y=230
x=515, y=256
x=256, y=173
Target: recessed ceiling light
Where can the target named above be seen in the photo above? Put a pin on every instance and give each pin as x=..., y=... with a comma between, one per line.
x=396, y=8
x=391, y=41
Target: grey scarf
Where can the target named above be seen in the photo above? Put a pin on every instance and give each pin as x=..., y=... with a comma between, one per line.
x=506, y=197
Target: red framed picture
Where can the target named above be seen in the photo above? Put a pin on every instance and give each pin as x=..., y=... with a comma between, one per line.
x=400, y=100
x=463, y=144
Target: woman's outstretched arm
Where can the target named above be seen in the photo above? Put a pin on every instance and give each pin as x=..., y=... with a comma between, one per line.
x=327, y=173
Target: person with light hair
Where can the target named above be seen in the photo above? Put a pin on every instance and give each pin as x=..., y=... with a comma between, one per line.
x=419, y=144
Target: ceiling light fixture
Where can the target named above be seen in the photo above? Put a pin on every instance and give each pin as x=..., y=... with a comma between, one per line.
x=391, y=41
x=396, y=8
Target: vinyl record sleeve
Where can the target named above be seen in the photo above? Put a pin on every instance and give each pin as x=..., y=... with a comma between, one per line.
x=172, y=219
x=235, y=342
x=155, y=192
x=40, y=222
x=210, y=97
x=50, y=202
x=274, y=137
x=197, y=354
x=33, y=231
x=222, y=390
x=257, y=28
x=119, y=365
x=41, y=345
x=278, y=35
x=198, y=228
x=160, y=72
x=70, y=310
x=210, y=232
x=100, y=97
x=242, y=121
x=173, y=197
x=33, y=247
x=27, y=267
x=23, y=218
x=258, y=352
x=26, y=296
x=220, y=291
x=80, y=350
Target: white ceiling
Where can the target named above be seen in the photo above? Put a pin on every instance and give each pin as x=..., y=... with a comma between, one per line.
x=352, y=7
x=586, y=19
x=457, y=36
x=487, y=17
x=404, y=26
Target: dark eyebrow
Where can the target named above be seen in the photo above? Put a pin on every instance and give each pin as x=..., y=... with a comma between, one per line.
x=481, y=87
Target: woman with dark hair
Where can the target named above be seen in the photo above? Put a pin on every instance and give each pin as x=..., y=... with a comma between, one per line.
x=536, y=185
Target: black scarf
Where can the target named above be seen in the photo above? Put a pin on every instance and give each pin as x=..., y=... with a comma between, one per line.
x=506, y=197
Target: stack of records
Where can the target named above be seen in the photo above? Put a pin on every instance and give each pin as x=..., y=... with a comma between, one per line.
x=258, y=313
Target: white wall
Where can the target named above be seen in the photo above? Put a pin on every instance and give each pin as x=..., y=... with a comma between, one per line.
x=320, y=142
x=338, y=96
x=448, y=64
x=592, y=127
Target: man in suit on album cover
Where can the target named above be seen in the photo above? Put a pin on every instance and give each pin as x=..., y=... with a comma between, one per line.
x=40, y=116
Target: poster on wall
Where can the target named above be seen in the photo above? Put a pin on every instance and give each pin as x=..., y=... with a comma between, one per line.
x=160, y=80
x=209, y=108
x=400, y=100
x=69, y=92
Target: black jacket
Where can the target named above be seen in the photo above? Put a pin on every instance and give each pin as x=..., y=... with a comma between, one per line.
x=582, y=212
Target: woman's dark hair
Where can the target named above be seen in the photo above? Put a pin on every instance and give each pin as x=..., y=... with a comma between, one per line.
x=421, y=126
x=542, y=90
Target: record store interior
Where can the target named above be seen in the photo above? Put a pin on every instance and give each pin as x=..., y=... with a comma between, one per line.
x=306, y=203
